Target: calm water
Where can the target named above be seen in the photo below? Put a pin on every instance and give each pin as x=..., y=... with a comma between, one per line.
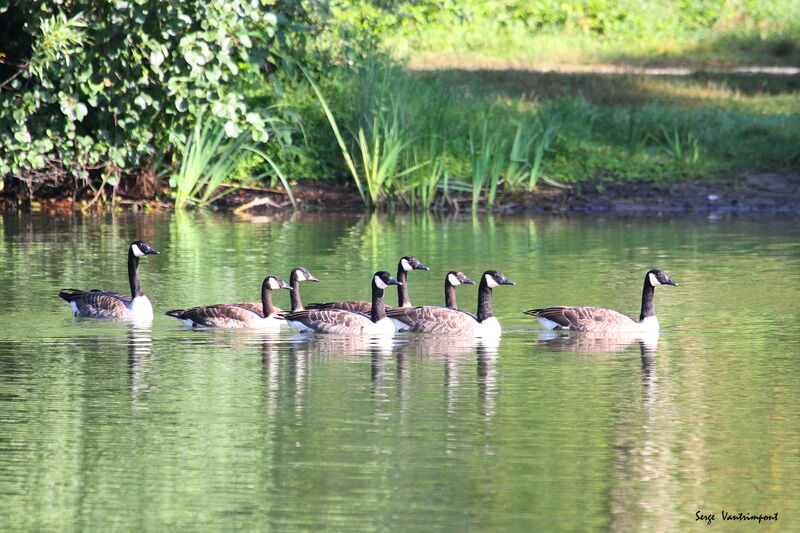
x=108, y=426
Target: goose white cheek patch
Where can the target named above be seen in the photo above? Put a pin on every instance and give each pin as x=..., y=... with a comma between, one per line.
x=490, y=282
x=301, y=276
x=406, y=265
x=654, y=280
x=453, y=280
x=379, y=283
x=273, y=284
x=137, y=251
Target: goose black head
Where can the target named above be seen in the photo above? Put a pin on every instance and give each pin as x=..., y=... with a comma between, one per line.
x=383, y=279
x=494, y=278
x=658, y=277
x=302, y=274
x=409, y=262
x=141, y=248
x=456, y=278
x=274, y=283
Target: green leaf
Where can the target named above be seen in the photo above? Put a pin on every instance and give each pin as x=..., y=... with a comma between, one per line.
x=232, y=129
x=22, y=135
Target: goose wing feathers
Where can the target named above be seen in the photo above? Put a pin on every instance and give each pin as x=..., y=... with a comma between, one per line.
x=256, y=307
x=355, y=307
x=434, y=319
x=220, y=315
x=584, y=318
x=331, y=320
x=98, y=304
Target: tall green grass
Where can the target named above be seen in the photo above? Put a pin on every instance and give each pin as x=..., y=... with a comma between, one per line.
x=412, y=142
x=429, y=142
x=209, y=159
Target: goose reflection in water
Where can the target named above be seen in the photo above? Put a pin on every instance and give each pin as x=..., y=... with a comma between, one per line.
x=600, y=342
x=140, y=347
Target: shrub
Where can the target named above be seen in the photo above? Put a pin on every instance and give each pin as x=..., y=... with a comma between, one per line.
x=90, y=85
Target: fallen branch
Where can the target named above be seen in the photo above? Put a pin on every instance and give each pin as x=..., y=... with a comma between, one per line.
x=259, y=201
x=259, y=189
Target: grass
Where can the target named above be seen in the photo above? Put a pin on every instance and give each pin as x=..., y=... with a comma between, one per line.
x=471, y=115
x=427, y=139
x=496, y=34
x=209, y=158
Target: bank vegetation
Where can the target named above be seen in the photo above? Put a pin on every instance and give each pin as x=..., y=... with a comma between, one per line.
x=418, y=104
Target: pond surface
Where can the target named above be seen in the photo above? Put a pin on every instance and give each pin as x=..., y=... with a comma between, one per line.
x=113, y=426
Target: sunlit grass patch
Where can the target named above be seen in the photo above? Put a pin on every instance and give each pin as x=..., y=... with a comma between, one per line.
x=425, y=138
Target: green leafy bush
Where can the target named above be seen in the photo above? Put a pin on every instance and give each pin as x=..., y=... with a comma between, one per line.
x=103, y=85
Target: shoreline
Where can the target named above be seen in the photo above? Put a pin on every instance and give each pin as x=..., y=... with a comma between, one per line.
x=756, y=193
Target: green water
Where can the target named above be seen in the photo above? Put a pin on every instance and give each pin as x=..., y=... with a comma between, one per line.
x=108, y=426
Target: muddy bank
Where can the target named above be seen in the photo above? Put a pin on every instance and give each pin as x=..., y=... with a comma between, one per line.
x=754, y=193
x=764, y=193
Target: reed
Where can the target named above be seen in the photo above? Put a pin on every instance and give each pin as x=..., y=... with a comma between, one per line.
x=488, y=159
x=208, y=159
x=680, y=145
x=423, y=140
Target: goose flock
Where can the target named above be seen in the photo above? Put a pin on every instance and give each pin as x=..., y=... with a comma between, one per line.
x=361, y=317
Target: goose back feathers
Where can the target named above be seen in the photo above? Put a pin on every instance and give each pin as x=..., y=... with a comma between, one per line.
x=95, y=303
x=405, y=318
x=297, y=275
x=605, y=320
x=404, y=266
x=341, y=321
x=433, y=319
x=236, y=315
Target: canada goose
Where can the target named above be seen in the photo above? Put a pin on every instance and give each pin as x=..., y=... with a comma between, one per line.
x=235, y=315
x=407, y=263
x=106, y=304
x=297, y=275
x=433, y=319
x=406, y=317
x=347, y=322
x=601, y=319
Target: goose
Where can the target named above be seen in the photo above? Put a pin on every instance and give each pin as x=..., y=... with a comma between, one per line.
x=235, y=315
x=601, y=319
x=346, y=322
x=407, y=263
x=106, y=304
x=297, y=275
x=433, y=319
x=404, y=318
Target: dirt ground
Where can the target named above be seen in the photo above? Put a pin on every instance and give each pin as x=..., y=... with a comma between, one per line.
x=752, y=193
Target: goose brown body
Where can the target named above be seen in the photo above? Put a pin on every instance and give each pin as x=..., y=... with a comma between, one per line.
x=95, y=303
x=344, y=322
x=298, y=274
x=236, y=315
x=406, y=264
x=434, y=319
x=585, y=318
x=601, y=319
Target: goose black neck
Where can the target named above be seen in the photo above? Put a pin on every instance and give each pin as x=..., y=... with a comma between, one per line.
x=648, y=307
x=297, y=303
x=266, y=300
x=449, y=295
x=484, y=300
x=378, y=307
x=402, y=290
x=133, y=274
